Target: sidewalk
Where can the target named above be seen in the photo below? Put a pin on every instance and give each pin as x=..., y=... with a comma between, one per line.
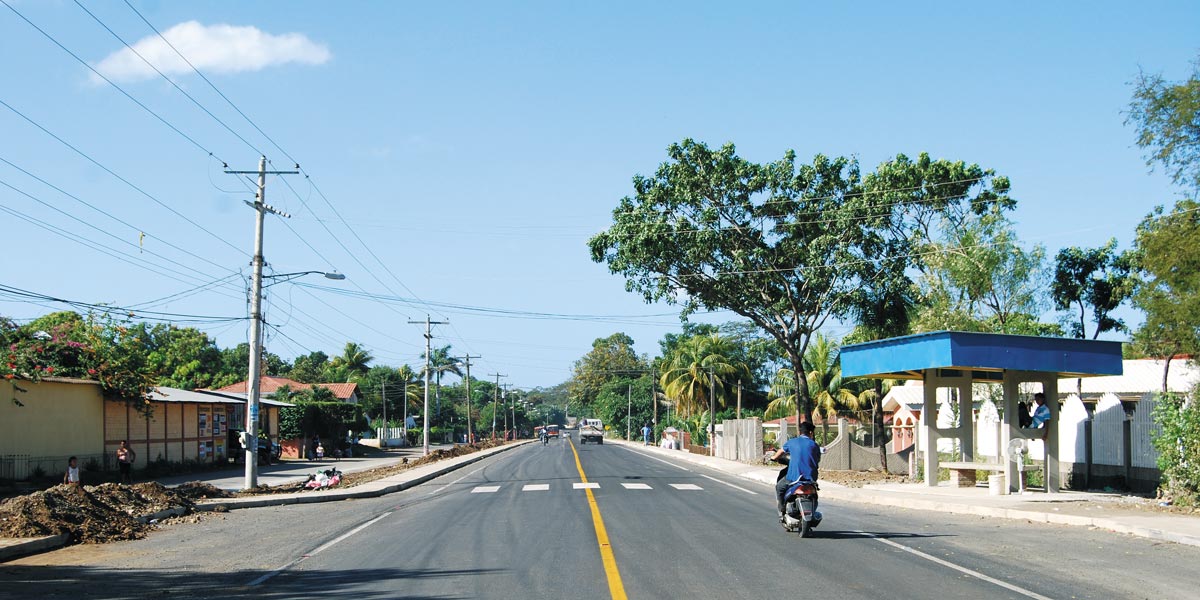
x=292, y=471
x=10, y=548
x=1087, y=509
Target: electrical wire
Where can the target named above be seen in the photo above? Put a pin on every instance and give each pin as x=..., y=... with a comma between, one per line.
x=141, y=191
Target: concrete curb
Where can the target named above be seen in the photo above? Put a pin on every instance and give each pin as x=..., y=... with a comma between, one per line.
x=367, y=490
x=32, y=546
x=864, y=496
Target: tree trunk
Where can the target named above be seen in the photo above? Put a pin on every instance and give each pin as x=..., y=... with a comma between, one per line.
x=803, y=400
x=879, y=437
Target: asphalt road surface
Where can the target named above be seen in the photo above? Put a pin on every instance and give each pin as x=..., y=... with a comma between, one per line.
x=523, y=524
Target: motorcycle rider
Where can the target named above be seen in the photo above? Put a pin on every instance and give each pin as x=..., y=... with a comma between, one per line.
x=804, y=457
x=545, y=437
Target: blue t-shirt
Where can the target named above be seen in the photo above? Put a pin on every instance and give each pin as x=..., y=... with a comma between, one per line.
x=1040, y=415
x=804, y=456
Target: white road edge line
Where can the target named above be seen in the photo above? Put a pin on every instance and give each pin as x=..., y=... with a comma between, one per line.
x=665, y=462
x=945, y=563
x=265, y=576
x=736, y=487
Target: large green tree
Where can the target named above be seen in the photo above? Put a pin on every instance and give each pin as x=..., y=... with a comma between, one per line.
x=788, y=246
x=981, y=279
x=1095, y=280
x=1167, y=117
x=610, y=357
x=1169, y=287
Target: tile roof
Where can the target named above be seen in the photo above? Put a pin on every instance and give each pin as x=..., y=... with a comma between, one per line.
x=269, y=383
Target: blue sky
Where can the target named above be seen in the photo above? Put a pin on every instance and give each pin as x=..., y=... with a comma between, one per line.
x=474, y=147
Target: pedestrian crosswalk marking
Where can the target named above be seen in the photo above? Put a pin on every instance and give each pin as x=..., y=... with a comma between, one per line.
x=535, y=487
x=591, y=485
x=485, y=489
x=686, y=486
x=635, y=486
x=585, y=486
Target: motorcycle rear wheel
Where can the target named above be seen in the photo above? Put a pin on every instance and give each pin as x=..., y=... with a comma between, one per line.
x=804, y=529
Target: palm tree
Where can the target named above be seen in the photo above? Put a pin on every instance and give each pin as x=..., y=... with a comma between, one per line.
x=440, y=362
x=354, y=359
x=782, y=395
x=696, y=365
x=824, y=375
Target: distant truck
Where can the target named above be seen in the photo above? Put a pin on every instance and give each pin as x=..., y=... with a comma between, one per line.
x=591, y=430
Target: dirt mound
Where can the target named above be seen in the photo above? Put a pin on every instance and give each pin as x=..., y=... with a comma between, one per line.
x=198, y=490
x=861, y=478
x=89, y=514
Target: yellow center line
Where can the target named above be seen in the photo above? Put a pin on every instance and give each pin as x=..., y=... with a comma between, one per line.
x=615, y=588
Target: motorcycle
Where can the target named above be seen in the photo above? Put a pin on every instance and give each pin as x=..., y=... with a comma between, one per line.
x=800, y=512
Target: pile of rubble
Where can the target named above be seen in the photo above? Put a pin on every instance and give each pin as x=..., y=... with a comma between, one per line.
x=96, y=514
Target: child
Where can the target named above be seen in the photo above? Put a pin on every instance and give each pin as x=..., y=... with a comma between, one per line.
x=72, y=474
x=320, y=451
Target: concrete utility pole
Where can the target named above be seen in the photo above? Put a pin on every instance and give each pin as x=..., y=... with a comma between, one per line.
x=254, y=383
x=383, y=390
x=512, y=408
x=467, y=362
x=628, y=411
x=712, y=405
x=495, y=401
x=739, y=412
x=428, y=349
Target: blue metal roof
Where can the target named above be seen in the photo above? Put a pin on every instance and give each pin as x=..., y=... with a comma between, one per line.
x=984, y=354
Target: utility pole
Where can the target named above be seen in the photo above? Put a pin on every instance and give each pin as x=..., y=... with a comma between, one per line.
x=254, y=383
x=495, y=401
x=385, y=431
x=467, y=362
x=512, y=407
x=712, y=405
x=628, y=411
x=508, y=409
x=404, y=399
x=739, y=412
x=428, y=347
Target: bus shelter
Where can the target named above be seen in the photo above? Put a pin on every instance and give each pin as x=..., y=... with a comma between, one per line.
x=956, y=360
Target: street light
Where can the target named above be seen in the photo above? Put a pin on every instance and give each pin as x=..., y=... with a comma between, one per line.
x=253, y=383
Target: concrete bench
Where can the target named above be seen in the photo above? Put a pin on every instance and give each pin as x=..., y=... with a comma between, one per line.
x=962, y=474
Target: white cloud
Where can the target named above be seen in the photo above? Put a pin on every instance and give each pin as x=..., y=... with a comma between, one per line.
x=213, y=49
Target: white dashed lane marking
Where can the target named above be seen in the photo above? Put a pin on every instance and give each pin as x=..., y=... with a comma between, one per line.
x=636, y=486
x=585, y=486
x=686, y=486
x=485, y=489
x=536, y=487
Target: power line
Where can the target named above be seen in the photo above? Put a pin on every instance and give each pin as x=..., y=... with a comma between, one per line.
x=169, y=80
x=141, y=191
x=146, y=314
x=110, y=215
x=110, y=82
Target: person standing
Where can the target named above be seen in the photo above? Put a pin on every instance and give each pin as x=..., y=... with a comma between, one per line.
x=72, y=474
x=646, y=431
x=125, y=459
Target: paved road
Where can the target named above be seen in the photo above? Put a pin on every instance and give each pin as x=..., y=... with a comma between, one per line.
x=515, y=526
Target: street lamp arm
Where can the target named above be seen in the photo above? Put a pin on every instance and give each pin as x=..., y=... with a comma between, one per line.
x=282, y=277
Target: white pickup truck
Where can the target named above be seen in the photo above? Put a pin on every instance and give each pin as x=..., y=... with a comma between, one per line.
x=591, y=430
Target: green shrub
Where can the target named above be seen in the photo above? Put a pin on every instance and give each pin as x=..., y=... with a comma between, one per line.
x=1178, y=445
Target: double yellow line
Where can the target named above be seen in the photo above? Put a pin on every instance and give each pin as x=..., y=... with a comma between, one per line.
x=615, y=588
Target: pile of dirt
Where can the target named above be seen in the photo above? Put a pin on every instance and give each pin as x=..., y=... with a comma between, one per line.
x=861, y=478
x=88, y=514
x=198, y=490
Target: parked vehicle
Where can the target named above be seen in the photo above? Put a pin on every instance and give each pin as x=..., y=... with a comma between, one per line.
x=800, y=504
x=591, y=430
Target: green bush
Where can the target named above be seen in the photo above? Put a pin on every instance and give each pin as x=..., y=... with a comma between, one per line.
x=1178, y=445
